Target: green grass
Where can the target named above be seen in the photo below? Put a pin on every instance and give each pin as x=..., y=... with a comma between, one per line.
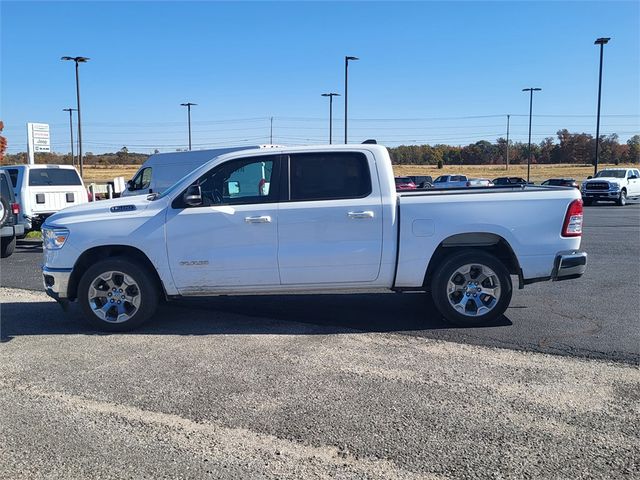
x=34, y=234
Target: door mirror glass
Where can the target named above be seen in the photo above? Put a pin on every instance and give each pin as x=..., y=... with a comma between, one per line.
x=193, y=196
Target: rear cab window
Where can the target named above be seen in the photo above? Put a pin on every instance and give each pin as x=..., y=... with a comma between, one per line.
x=329, y=176
x=43, y=177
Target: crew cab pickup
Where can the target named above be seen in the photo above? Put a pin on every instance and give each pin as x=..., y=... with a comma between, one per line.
x=612, y=184
x=310, y=219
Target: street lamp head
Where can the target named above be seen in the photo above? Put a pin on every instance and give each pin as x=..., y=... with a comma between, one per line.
x=76, y=59
x=188, y=104
x=331, y=94
x=69, y=109
x=602, y=41
x=351, y=58
x=531, y=89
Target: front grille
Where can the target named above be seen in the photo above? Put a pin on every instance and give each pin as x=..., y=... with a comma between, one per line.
x=598, y=186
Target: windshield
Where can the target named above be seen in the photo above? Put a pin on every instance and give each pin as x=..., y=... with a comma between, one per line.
x=612, y=173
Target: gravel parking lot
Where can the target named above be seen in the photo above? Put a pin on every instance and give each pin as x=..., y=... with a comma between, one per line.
x=339, y=386
x=263, y=398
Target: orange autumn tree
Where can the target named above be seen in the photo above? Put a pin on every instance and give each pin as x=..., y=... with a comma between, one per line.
x=3, y=142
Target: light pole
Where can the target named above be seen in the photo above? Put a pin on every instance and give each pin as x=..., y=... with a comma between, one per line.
x=189, y=105
x=346, y=85
x=71, y=110
x=331, y=95
x=602, y=42
x=508, y=118
x=531, y=90
x=77, y=61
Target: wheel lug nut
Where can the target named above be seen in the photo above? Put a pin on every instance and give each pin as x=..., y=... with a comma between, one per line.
x=112, y=300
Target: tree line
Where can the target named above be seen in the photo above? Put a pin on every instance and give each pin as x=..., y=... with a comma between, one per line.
x=576, y=148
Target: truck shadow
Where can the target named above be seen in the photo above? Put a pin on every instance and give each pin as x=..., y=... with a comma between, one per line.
x=300, y=314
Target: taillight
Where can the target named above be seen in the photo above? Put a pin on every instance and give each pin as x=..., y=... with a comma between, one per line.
x=573, y=220
x=15, y=208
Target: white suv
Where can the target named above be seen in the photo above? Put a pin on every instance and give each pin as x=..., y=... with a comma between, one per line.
x=613, y=185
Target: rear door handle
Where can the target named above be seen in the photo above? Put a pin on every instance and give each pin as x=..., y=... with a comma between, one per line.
x=363, y=214
x=260, y=219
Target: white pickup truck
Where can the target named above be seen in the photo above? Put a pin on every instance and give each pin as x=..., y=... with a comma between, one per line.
x=309, y=219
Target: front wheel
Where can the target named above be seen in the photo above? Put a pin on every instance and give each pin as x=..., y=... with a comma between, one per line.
x=622, y=199
x=118, y=294
x=471, y=288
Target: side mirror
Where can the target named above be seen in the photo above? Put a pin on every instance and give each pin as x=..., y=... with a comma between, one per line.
x=130, y=185
x=193, y=196
x=589, y=177
x=633, y=177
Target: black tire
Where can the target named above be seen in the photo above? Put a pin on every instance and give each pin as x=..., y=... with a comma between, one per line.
x=7, y=246
x=146, y=285
x=587, y=202
x=5, y=211
x=446, y=270
x=622, y=199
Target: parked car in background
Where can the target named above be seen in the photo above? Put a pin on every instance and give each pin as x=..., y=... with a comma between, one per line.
x=422, y=181
x=509, y=181
x=10, y=229
x=613, y=185
x=405, y=183
x=332, y=220
x=479, y=182
x=450, y=181
x=560, y=182
x=42, y=190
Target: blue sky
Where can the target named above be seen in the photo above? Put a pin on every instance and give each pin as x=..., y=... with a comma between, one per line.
x=425, y=67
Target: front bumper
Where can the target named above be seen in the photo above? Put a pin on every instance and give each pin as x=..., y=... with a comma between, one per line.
x=56, y=282
x=569, y=264
x=601, y=194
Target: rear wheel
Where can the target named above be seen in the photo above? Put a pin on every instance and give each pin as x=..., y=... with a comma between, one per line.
x=622, y=199
x=471, y=288
x=118, y=294
x=7, y=246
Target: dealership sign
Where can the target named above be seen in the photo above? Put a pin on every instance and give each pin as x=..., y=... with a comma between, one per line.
x=38, y=139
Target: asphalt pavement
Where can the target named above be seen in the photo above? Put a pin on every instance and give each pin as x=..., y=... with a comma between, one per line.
x=595, y=316
x=233, y=396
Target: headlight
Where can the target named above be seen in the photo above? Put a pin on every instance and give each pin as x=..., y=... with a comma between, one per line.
x=54, y=238
x=614, y=186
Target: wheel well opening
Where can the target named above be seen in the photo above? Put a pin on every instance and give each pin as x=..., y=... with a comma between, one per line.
x=95, y=254
x=486, y=242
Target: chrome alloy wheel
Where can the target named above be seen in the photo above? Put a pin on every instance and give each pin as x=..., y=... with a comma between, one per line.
x=114, y=297
x=473, y=290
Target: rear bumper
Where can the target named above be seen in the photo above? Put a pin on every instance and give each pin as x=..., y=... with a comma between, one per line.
x=569, y=264
x=56, y=282
x=11, y=230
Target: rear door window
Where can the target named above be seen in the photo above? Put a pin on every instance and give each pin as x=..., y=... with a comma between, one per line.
x=5, y=191
x=42, y=177
x=329, y=176
x=13, y=174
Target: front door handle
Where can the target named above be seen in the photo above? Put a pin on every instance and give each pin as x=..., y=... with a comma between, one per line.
x=260, y=219
x=363, y=214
